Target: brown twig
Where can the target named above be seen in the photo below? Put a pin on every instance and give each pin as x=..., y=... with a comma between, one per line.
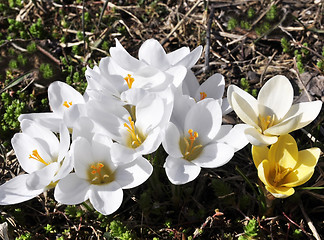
x=295, y=70
x=309, y=223
x=266, y=67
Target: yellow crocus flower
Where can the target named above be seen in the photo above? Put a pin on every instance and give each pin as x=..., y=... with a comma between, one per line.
x=283, y=167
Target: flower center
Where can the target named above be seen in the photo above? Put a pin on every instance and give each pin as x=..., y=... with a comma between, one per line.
x=100, y=174
x=135, y=138
x=280, y=174
x=190, y=147
x=67, y=104
x=37, y=157
x=129, y=80
x=203, y=95
x=266, y=122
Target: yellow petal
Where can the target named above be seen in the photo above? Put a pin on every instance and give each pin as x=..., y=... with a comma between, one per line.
x=284, y=152
x=259, y=154
x=307, y=160
x=264, y=172
x=280, y=192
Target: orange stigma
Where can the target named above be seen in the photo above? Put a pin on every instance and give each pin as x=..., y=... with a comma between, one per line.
x=37, y=157
x=203, y=95
x=67, y=104
x=129, y=80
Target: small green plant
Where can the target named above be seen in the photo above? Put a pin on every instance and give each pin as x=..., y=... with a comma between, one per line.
x=286, y=48
x=22, y=60
x=25, y=236
x=245, y=25
x=79, y=35
x=251, y=230
x=73, y=211
x=119, y=230
x=245, y=84
x=37, y=29
x=13, y=64
x=263, y=28
x=232, y=24
x=272, y=14
x=46, y=70
x=251, y=13
x=31, y=48
x=49, y=229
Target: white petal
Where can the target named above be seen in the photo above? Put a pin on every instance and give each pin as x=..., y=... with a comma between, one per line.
x=307, y=110
x=16, y=191
x=81, y=153
x=205, y=118
x=122, y=154
x=190, y=60
x=226, y=107
x=107, y=198
x=182, y=105
x=64, y=142
x=124, y=59
x=151, y=143
x=48, y=120
x=236, y=137
x=177, y=55
x=284, y=127
x=43, y=177
x=73, y=114
x=44, y=136
x=214, y=155
x=71, y=190
x=258, y=139
x=58, y=93
x=277, y=94
x=190, y=84
x=179, y=73
x=152, y=53
x=246, y=111
x=180, y=171
x=65, y=169
x=133, y=174
x=24, y=146
x=171, y=141
x=213, y=87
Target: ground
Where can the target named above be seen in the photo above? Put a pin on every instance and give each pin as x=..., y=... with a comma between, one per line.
x=248, y=42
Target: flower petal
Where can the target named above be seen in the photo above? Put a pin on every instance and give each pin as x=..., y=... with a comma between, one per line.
x=258, y=139
x=43, y=177
x=281, y=192
x=213, y=87
x=152, y=53
x=71, y=190
x=16, y=191
x=190, y=84
x=284, y=152
x=284, y=127
x=81, y=153
x=190, y=60
x=244, y=105
x=180, y=171
x=175, y=56
x=235, y=137
x=259, y=153
x=133, y=174
x=171, y=141
x=214, y=155
x=307, y=110
x=277, y=94
x=307, y=160
x=106, y=198
x=49, y=120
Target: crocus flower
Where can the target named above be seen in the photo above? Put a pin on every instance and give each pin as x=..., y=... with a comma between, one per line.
x=272, y=113
x=97, y=178
x=213, y=87
x=137, y=127
x=283, y=167
x=42, y=156
x=195, y=138
x=66, y=103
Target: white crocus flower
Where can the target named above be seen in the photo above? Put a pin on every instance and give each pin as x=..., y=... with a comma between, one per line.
x=66, y=103
x=97, y=178
x=137, y=127
x=195, y=138
x=42, y=156
x=272, y=113
x=213, y=87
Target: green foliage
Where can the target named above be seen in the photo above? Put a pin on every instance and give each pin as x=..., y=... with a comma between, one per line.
x=14, y=3
x=46, y=70
x=86, y=17
x=263, y=28
x=105, y=46
x=26, y=236
x=79, y=35
x=245, y=25
x=251, y=230
x=37, y=29
x=16, y=29
x=13, y=64
x=49, y=229
x=245, y=84
x=272, y=14
x=299, y=61
x=119, y=231
x=304, y=50
x=231, y=24
x=73, y=211
x=251, y=13
x=286, y=48
x=31, y=48
x=223, y=191
x=22, y=60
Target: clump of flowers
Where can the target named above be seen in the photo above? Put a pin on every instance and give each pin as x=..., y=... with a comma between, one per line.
x=133, y=105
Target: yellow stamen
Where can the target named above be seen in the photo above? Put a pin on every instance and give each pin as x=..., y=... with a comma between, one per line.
x=280, y=174
x=136, y=138
x=266, y=122
x=66, y=104
x=37, y=157
x=100, y=174
x=190, y=149
x=129, y=80
x=203, y=95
